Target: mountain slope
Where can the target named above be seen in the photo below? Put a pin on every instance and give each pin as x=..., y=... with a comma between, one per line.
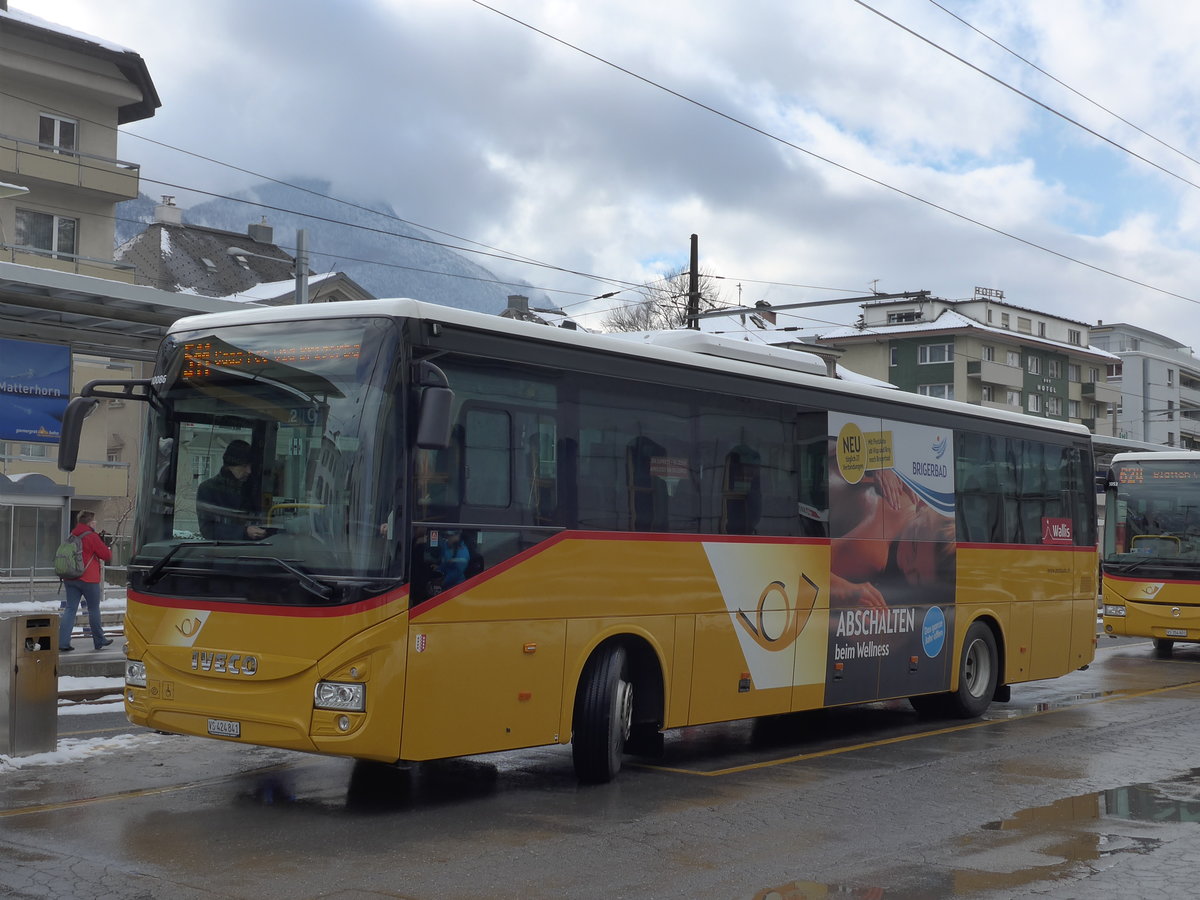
x=386, y=256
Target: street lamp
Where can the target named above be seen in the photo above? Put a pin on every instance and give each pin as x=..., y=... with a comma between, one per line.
x=301, y=263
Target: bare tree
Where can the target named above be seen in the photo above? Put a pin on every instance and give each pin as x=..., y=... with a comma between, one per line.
x=666, y=303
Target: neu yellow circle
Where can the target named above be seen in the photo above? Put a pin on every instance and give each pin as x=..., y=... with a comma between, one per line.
x=851, y=453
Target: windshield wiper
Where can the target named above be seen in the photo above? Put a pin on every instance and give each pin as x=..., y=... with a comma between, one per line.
x=155, y=573
x=307, y=582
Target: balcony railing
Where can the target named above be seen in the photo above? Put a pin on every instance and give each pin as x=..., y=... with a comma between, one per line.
x=1101, y=392
x=991, y=372
x=68, y=262
x=113, y=178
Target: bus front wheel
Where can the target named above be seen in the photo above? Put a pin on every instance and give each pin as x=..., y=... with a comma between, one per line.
x=603, y=716
x=1163, y=647
x=978, y=671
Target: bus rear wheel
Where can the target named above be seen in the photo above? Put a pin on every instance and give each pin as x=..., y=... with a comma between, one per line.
x=603, y=716
x=978, y=671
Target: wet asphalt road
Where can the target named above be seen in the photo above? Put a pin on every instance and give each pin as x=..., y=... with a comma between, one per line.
x=1086, y=786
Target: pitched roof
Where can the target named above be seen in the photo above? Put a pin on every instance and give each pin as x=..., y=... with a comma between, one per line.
x=129, y=63
x=949, y=322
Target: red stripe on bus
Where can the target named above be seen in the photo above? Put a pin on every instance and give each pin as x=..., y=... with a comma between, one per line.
x=1134, y=580
x=1061, y=548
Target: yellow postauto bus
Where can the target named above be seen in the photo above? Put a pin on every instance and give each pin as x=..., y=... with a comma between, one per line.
x=1151, y=552
x=398, y=531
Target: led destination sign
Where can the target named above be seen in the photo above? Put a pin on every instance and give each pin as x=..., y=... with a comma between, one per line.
x=202, y=358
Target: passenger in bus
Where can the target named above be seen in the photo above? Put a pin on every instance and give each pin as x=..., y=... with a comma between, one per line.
x=223, y=503
x=453, y=558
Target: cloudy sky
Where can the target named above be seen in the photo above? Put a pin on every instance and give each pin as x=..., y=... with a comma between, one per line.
x=818, y=149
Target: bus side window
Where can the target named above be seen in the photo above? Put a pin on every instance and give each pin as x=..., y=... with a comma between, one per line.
x=648, y=496
x=741, y=497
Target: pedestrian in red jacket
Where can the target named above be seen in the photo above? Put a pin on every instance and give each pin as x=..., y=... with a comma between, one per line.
x=87, y=586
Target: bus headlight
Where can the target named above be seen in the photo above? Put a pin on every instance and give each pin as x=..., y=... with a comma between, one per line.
x=340, y=695
x=1114, y=609
x=135, y=673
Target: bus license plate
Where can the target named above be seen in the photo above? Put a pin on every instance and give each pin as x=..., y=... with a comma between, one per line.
x=1176, y=632
x=224, y=728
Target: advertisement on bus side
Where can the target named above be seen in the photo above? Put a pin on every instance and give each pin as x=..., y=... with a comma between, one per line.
x=892, y=558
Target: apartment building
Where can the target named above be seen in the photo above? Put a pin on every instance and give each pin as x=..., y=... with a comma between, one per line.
x=65, y=96
x=984, y=351
x=1159, y=379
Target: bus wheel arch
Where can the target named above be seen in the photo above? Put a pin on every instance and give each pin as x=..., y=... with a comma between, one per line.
x=618, y=707
x=979, y=671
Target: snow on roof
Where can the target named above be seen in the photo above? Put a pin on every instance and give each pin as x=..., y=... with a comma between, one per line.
x=37, y=22
x=273, y=290
x=949, y=320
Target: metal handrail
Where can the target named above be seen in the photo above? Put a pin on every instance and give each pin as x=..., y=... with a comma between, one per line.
x=60, y=151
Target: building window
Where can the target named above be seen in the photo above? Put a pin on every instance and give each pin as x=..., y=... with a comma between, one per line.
x=1054, y=406
x=58, y=134
x=989, y=315
x=1024, y=325
x=1033, y=365
x=941, y=391
x=989, y=353
x=1170, y=410
x=1170, y=378
x=985, y=393
x=1041, y=329
x=1073, y=409
x=1013, y=358
x=114, y=456
x=901, y=318
x=200, y=467
x=1075, y=336
x=927, y=354
x=1034, y=403
x=1093, y=374
x=1114, y=371
x=893, y=355
x=1003, y=320
x=46, y=232
x=1013, y=399
x=1073, y=372
x=1054, y=368
x=32, y=451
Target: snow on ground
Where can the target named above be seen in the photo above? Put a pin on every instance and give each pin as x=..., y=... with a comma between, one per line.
x=112, y=602
x=71, y=750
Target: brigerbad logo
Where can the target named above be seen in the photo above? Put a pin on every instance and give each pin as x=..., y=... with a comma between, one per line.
x=940, y=443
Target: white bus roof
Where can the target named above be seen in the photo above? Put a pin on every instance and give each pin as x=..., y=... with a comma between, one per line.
x=1163, y=456
x=766, y=368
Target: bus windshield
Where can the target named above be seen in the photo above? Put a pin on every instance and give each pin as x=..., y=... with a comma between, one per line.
x=1152, y=517
x=271, y=464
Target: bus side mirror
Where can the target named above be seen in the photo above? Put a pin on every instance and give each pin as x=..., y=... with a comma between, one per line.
x=433, y=421
x=437, y=400
x=72, y=426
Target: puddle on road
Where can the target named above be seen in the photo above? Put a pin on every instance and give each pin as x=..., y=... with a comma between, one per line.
x=1043, y=843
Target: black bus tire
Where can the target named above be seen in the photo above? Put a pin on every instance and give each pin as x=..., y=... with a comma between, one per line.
x=1163, y=647
x=978, y=671
x=603, y=716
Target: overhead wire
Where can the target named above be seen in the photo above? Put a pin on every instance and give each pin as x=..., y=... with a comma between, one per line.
x=1020, y=93
x=840, y=166
x=1060, y=82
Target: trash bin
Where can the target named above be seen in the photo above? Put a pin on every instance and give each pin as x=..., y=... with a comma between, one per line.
x=29, y=688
